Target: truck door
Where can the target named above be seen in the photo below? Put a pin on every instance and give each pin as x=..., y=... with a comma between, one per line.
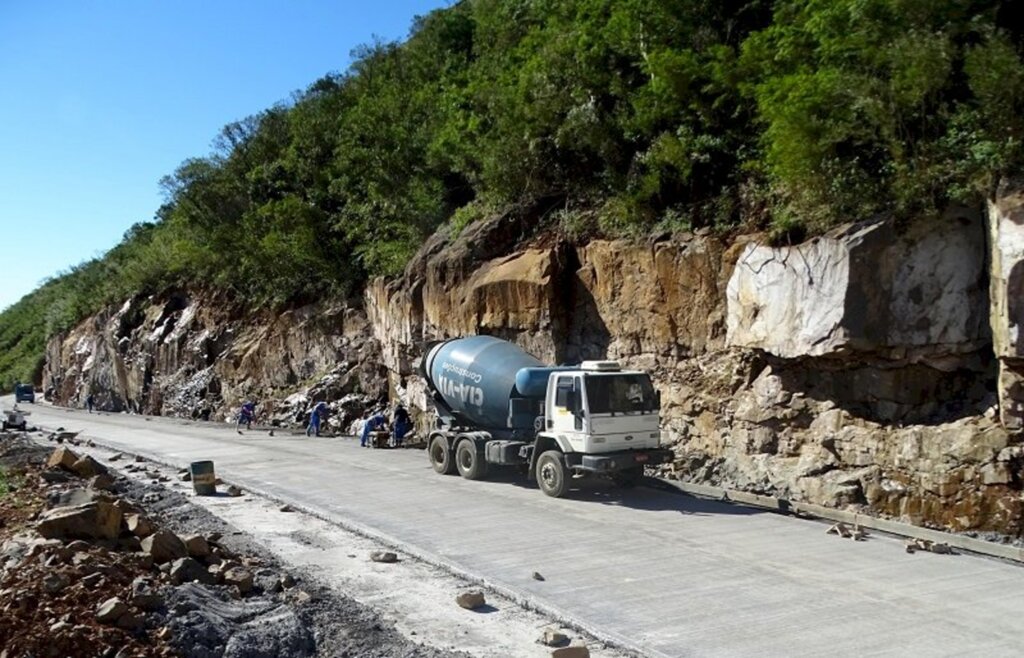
x=566, y=401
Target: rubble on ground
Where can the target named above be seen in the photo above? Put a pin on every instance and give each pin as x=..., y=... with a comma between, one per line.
x=91, y=571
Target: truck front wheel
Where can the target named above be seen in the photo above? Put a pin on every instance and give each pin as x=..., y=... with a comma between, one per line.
x=471, y=463
x=551, y=474
x=441, y=456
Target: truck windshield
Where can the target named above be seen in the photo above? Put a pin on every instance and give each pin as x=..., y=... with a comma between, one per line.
x=614, y=394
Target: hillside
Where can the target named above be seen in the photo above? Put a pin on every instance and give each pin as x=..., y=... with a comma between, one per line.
x=625, y=118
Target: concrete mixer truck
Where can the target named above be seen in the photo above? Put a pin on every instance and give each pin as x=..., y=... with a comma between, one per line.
x=498, y=406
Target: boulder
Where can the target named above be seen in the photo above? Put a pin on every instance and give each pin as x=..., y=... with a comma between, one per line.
x=471, y=599
x=867, y=288
x=131, y=623
x=576, y=651
x=62, y=457
x=386, y=557
x=1006, y=289
x=111, y=610
x=240, y=578
x=553, y=638
x=102, y=482
x=96, y=520
x=87, y=467
x=187, y=570
x=197, y=546
x=139, y=525
x=164, y=546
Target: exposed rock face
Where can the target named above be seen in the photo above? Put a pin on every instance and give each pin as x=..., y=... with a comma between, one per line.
x=1006, y=237
x=196, y=357
x=917, y=296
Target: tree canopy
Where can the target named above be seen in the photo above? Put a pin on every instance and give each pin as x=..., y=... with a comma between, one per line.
x=635, y=115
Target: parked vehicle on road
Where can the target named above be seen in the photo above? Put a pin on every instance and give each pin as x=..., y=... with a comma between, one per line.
x=499, y=406
x=15, y=419
x=24, y=393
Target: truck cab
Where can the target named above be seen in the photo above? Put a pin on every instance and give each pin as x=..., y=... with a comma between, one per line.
x=601, y=420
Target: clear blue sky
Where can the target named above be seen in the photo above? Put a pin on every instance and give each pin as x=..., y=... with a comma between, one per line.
x=101, y=99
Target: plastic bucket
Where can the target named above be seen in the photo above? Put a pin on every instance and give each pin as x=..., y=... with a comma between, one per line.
x=203, y=478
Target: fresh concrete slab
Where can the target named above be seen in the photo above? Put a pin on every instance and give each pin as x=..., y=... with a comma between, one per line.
x=663, y=573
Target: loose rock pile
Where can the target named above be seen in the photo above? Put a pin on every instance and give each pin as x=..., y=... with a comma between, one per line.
x=86, y=571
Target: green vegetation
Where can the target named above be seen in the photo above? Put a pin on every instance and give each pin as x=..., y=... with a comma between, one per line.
x=635, y=115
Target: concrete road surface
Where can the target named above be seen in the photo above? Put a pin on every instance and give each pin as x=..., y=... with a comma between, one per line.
x=659, y=572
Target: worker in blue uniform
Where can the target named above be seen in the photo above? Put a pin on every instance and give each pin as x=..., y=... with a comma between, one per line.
x=316, y=417
x=375, y=422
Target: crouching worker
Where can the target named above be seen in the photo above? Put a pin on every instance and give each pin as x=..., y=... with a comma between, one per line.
x=401, y=424
x=316, y=418
x=246, y=415
x=375, y=422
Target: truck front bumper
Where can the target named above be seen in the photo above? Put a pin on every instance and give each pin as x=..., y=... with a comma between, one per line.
x=610, y=462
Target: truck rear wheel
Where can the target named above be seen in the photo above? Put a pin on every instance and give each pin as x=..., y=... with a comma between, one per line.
x=441, y=456
x=551, y=475
x=470, y=462
x=629, y=477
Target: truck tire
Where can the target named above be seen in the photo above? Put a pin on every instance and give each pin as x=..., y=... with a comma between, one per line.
x=629, y=477
x=441, y=457
x=470, y=462
x=551, y=475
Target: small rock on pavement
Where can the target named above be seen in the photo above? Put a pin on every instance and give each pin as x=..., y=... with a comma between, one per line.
x=186, y=570
x=553, y=638
x=111, y=610
x=140, y=458
x=185, y=476
x=287, y=508
x=164, y=546
x=537, y=576
x=387, y=557
x=115, y=457
x=571, y=652
x=197, y=546
x=471, y=600
x=234, y=491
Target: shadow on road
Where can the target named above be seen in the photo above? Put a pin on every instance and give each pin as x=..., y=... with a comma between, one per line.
x=653, y=496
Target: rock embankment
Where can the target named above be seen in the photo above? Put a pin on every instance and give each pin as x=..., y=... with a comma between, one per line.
x=194, y=356
x=876, y=367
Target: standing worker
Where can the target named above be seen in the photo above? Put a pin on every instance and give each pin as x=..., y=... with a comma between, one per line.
x=374, y=422
x=318, y=415
x=89, y=402
x=400, y=424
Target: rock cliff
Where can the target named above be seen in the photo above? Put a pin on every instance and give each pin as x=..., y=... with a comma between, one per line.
x=196, y=356
x=876, y=367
